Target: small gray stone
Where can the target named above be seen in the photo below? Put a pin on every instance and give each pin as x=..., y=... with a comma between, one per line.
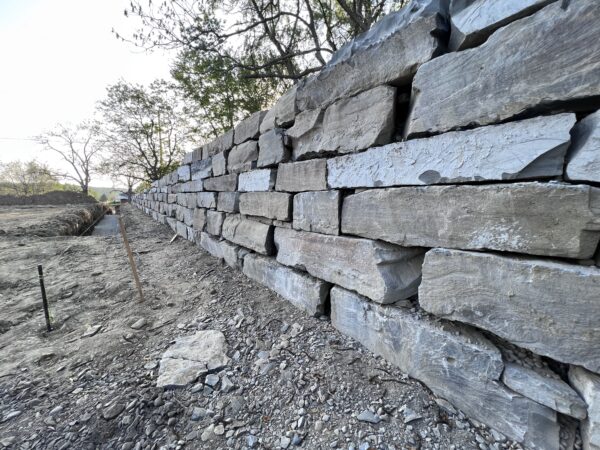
x=212, y=380
x=139, y=324
x=368, y=416
x=226, y=384
x=113, y=410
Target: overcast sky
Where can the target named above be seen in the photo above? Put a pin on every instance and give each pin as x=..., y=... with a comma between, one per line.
x=56, y=59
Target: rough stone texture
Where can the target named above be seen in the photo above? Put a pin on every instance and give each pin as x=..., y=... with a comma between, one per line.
x=249, y=233
x=318, y=212
x=272, y=205
x=536, y=218
x=551, y=392
x=473, y=21
x=181, y=229
x=222, y=143
x=509, y=76
x=389, y=53
x=249, y=128
x=191, y=356
x=257, y=180
x=211, y=244
x=283, y=113
x=229, y=202
x=225, y=183
x=455, y=363
x=199, y=219
x=214, y=222
x=300, y=289
x=584, y=155
x=188, y=158
x=522, y=300
x=347, y=126
x=273, y=148
x=532, y=148
x=385, y=273
x=201, y=169
x=243, y=157
x=206, y=199
x=233, y=254
x=191, y=186
x=302, y=176
x=184, y=173
x=588, y=386
x=219, y=163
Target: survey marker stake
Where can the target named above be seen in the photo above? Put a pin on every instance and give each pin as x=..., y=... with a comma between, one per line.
x=131, y=261
x=44, y=299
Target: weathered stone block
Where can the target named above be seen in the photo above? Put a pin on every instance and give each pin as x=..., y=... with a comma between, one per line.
x=588, y=386
x=519, y=299
x=219, y=163
x=191, y=186
x=249, y=233
x=187, y=216
x=488, y=73
x=184, y=173
x=187, y=158
x=249, y=128
x=206, y=199
x=533, y=148
x=347, y=126
x=223, y=142
x=302, y=176
x=233, y=254
x=584, y=155
x=243, y=157
x=229, y=202
x=257, y=180
x=317, y=211
x=214, y=222
x=211, y=244
x=283, y=113
x=457, y=364
x=199, y=219
x=536, y=218
x=273, y=148
x=181, y=229
x=300, y=289
x=272, y=205
x=225, y=183
x=383, y=272
x=201, y=169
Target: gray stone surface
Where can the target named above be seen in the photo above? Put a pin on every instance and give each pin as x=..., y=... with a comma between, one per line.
x=199, y=219
x=389, y=53
x=272, y=205
x=346, y=126
x=206, y=199
x=214, y=222
x=283, y=113
x=243, y=157
x=273, y=148
x=257, y=180
x=584, y=154
x=551, y=392
x=249, y=128
x=300, y=289
x=508, y=75
x=550, y=219
x=249, y=233
x=318, y=212
x=473, y=21
x=229, y=202
x=184, y=173
x=191, y=186
x=302, y=176
x=181, y=229
x=219, y=163
x=225, y=183
x=223, y=142
x=455, y=363
x=201, y=169
x=548, y=307
x=588, y=386
x=233, y=254
x=211, y=244
x=526, y=149
x=385, y=273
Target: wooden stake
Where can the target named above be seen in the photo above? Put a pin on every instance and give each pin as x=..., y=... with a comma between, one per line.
x=131, y=261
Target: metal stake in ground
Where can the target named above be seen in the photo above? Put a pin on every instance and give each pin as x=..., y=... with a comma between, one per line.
x=131, y=261
x=44, y=299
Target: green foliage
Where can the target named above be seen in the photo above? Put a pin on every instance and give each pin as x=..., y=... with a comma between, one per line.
x=27, y=178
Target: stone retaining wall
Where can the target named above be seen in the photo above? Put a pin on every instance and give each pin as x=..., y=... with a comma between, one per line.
x=459, y=240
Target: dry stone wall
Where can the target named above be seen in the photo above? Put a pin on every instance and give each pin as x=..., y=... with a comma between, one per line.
x=435, y=189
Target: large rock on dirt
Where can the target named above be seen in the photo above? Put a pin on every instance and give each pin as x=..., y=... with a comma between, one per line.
x=588, y=386
x=192, y=356
x=283, y=113
x=584, y=154
x=383, y=272
x=211, y=244
x=233, y=254
x=520, y=52
x=222, y=143
x=222, y=184
x=389, y=53
x=533, y=148
x=272, y=205
x=536, y=218
x=519, y=299
x=302, y=176
x=249, y=128
x=347, y=126
x=317, y=211
x=257, y=180
x=300, y=289
x=242, y=157
x=249, y=233
x=456, y=363
x=274, y=147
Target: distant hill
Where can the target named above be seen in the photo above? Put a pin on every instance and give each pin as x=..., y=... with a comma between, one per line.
x=111, y=193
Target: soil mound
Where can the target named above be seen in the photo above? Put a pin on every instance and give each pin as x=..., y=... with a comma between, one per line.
x=49, y=198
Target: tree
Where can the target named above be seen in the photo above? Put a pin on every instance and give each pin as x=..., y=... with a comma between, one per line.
x=27, y=178
x=146, y=130
x=103, y=198
x=79, y=146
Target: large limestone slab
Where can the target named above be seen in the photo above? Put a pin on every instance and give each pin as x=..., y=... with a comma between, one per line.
x=272, y=205
x=444, y=88
x=184, y=173
x=249, y=128
x=584, y=155
x=302, y=176
x=214, y=222
x=243, y=157
x=211, y=244
x=206, y=199
x=233, y=254
x=225, y=183
x=300, y=289
x=548, y=307
x=274, y=147
x=257, y=180
x=535, y=218
x=222, y=143
x=348, y=125
x=389, y=53
x=588, y=386
x=229, y=202
x=283, y=113
x=318, y=212
x=455, y=363
x=385, y=273
x=219, y=163
x=532, y=148
x=249, y=233
x=201, y=169
x=473, y=21
x=199, y=219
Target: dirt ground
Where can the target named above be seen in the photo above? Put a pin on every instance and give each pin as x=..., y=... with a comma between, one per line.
x=91, y=383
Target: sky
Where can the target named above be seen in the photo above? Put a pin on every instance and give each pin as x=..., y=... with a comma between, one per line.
x=56, y=59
